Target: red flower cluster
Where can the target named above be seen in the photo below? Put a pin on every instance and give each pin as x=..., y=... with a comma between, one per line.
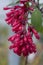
x=17, y=17
x=22, y=42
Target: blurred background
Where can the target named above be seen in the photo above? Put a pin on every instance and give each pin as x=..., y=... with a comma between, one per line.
x=7, y=57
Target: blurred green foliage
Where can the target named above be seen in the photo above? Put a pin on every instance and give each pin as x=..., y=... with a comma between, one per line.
x=3, y=45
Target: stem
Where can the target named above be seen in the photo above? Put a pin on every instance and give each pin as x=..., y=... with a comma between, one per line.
x=33, y=0
x=26, y=60
x=38, y=1
x=38, y=4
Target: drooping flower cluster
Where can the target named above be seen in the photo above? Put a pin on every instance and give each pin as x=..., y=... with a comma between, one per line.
x=22, y=42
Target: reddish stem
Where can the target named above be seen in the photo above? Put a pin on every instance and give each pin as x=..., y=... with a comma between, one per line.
x=26, y=60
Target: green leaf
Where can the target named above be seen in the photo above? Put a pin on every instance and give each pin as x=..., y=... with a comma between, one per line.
x=36, y=20
x=12, y=4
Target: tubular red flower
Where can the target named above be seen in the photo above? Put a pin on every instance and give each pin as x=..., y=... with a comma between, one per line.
x=35, y=33
x=6, y=8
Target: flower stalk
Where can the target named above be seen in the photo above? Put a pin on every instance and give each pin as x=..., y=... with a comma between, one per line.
x=26, y=62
